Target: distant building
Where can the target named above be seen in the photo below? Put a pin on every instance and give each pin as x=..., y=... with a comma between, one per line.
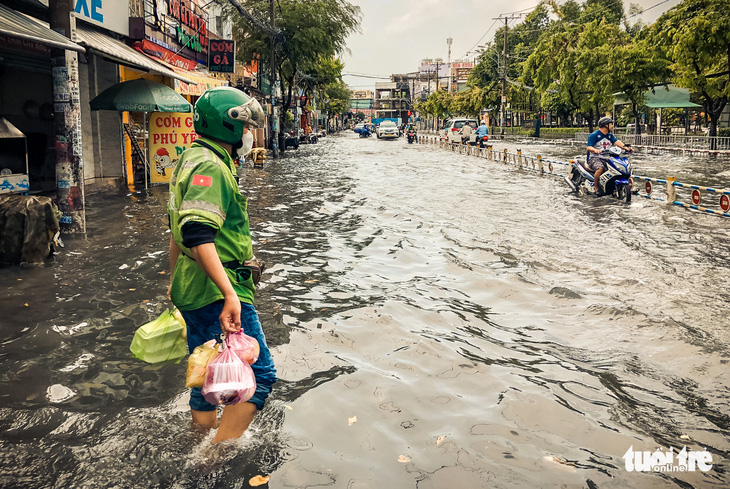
x=460, y=70
x=392, y=100
x=362, y=101
x=436, y=75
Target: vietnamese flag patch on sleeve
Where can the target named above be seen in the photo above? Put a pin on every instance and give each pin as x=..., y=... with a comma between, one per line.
x=202, y=180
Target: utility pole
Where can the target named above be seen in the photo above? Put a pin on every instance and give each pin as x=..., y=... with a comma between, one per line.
x=272, y=82
x=504, y=69
x=438, y=87
x=448, y=60
x=67, y=122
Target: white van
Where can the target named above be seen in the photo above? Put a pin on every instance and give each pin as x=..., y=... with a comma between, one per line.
x=452, y=131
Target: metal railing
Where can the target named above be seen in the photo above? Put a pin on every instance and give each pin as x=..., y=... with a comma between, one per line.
x=543, y=166
x=675, y=142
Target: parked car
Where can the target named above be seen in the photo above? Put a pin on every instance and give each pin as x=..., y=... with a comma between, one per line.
x=387, y=130
x=452, y=131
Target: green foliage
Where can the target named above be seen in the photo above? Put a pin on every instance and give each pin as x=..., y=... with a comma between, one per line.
x=312, y=31
x=338, y=96
x=438, y=104
x=695, y=35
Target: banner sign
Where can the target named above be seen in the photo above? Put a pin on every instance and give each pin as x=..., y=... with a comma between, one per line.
x=165, y=55
x=203, y=84
x=222, y=55
x=109, y=14
x=197, y=40
x=171, y=133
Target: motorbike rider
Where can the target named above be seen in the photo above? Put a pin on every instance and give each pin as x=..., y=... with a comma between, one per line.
x=482, y=130
x=466, y=131
x=598, y=141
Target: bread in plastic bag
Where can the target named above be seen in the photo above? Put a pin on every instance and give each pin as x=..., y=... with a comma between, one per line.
x=228, y=380
x=246, y=347
x=198, y=362
x=160, y=340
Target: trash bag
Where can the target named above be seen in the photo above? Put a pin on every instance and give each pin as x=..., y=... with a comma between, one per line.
x=198, y=363
x=246, y=347
x=28, y=224
x=228, y=380
x=160, y=340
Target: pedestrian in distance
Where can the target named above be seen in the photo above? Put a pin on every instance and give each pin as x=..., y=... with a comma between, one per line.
x=213, y=281
x=598, y=141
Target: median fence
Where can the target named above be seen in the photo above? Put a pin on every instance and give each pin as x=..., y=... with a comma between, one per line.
x=655, y=143
x=695, y=197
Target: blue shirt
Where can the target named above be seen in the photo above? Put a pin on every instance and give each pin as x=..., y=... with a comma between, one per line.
x=482, y=130
x=600, y=141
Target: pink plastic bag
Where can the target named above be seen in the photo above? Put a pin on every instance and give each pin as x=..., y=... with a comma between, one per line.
x=246, y=347
x=228, y=380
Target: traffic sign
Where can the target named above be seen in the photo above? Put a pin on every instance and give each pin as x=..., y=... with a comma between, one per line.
x=725, y=203
x=696, y=197
x=648, y=187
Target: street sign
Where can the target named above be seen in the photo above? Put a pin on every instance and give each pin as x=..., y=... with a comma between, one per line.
x=222, y=55
x=725, y=203
x=696, y=197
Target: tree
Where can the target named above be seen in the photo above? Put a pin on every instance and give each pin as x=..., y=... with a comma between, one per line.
x=636, y=67
x=311, y=32
x=338, y=96
x=567, y=57
x=438, y=104
x=695, y=35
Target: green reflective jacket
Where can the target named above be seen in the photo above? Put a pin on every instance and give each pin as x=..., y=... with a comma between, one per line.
x=203, y=188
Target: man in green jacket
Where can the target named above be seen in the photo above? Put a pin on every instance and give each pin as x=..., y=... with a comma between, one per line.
x=210, y=242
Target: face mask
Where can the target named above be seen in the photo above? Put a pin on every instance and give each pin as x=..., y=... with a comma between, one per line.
x=246, y=143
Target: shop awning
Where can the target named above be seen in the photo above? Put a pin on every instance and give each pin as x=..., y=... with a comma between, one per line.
x=662, y=97
x=7, y=130
x=15, y=24
x=119, y=52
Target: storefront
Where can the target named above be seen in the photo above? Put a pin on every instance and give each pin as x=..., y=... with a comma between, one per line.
x=115, y=139
x=26, y=92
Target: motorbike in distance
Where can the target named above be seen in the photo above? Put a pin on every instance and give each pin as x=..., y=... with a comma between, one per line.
x=410, y=135
x=615, y=180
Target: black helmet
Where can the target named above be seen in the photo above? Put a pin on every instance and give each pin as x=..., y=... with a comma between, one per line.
x=604, y=122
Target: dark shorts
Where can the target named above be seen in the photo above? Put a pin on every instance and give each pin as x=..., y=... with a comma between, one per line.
x=594, y=163
x=204, y=324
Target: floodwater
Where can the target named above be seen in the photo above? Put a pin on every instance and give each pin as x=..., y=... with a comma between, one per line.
x=437, y=320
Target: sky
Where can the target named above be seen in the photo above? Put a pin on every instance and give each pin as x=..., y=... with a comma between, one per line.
x=397, y=34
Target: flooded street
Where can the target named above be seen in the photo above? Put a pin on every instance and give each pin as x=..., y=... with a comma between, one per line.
x=437, y=321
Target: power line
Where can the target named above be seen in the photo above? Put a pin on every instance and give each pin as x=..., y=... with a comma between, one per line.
x=483, y=36
x=364, y=75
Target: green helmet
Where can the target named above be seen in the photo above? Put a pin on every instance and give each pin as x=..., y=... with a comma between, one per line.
x=221, y=113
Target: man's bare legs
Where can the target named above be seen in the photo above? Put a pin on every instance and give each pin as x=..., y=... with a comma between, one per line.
x=234, y=421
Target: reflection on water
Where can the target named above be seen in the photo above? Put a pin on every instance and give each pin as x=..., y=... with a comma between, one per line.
x=483, y=327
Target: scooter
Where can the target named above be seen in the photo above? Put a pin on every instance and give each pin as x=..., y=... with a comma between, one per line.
x=411, y=136
x=615, y=180
x=364, y=133
x=482, y=141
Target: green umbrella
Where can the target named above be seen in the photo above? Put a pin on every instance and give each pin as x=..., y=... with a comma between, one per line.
x=140, y=95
